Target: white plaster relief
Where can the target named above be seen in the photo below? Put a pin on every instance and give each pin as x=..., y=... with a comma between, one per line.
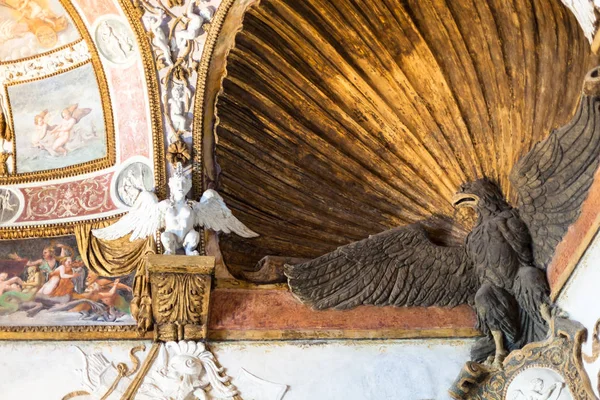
x=538, y=384
x=177, y=37
x=98, y=374
x=259, y=389
x=114, y=40
x=45, y=65
x=186, y=370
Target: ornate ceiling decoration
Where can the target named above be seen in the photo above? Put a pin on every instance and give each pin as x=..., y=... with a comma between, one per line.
x=80, y=107
x=340, y=119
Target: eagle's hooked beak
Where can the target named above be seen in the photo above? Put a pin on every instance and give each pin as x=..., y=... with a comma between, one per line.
x=465, y=200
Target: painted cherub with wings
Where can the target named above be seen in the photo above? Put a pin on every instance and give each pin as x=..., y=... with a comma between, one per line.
x=178, y=217
x=62, y=133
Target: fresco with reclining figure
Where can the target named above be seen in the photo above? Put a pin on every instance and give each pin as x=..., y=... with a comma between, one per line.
x=45, y=282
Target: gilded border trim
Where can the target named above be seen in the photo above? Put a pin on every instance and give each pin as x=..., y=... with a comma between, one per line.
x=133, y=16
x=43, y=54
x=88, y=332
x=90, y=166
x=47, y=230
x=200, y=96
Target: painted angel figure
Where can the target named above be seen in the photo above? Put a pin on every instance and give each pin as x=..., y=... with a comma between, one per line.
x=178, y=217
x=42, y=128
x=62, y=133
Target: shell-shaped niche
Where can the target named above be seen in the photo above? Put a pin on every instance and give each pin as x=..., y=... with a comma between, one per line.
x=343, y=118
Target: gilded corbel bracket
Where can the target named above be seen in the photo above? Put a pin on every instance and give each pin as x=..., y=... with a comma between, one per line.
x=180, y=287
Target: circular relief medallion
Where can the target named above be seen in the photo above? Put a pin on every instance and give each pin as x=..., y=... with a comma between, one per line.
x=9, y=205
x=132, y=180
x=538, y=383
x=115, y=40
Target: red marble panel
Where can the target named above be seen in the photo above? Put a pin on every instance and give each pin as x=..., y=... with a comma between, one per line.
x=130, y=111
x=242, y=309
x=67, y=200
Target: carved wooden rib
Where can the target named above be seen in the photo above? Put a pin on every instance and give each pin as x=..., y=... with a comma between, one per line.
x=342, y=118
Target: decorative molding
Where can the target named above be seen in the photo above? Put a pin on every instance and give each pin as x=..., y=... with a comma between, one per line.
x=176, y=36
x=38, y=67
x=198, y=126
x=102, y=377
x=67, y=200
x=560, y=354
x=180, y=288
x=96, y=332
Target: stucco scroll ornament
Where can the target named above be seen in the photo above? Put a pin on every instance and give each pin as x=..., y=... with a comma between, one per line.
x=176, y=40
x=501, y=268
x=178, y=217
x=190, y=372
x=102, y=378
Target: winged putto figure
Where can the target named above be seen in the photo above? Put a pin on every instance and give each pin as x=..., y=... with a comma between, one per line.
x=500, y=269
x=178, y=217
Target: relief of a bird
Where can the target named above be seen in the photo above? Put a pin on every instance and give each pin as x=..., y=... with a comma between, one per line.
x=500, y=268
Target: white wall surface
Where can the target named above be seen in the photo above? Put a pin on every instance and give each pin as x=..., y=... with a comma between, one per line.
x=361, y=370
x=581, y=300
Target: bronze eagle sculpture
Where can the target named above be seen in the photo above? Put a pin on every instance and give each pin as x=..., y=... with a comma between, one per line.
x=500, y=269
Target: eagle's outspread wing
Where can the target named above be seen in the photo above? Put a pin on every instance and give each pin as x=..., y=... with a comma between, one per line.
x=144, y=219
x=399, y=267
x=211, y=212
x=554, y=178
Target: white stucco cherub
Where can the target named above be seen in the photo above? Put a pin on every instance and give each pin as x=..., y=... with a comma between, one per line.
x=159, y=40
x=178, y=216
x=179, y=103
x=193, y=30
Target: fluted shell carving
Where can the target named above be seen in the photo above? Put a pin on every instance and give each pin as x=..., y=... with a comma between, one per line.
x=343, y=118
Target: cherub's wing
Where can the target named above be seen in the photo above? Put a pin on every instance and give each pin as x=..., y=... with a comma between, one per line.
x=79, y=113
x=399, y=267
x=144, y=219
x=212, y=213
x=554, y=178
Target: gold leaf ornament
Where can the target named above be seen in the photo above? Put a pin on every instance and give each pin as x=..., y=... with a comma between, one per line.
x=178, y=152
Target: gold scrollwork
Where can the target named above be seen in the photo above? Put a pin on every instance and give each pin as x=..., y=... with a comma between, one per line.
x=561, y=352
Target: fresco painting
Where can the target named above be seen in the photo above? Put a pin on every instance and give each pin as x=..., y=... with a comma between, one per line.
x=31, y=27
x=58, y=121
x=44, y=282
